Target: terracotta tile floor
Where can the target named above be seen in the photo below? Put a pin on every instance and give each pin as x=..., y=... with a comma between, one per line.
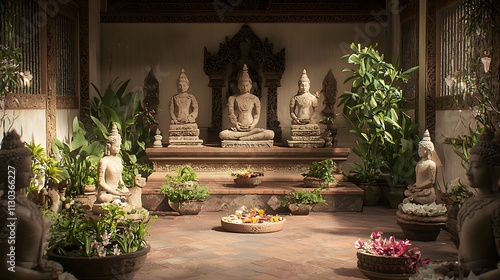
x=317, y=246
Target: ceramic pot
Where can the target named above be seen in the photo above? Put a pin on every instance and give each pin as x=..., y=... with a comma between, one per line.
x=189, y=207
x=312, y=182
x=103, y=268
x=247, y=182
x=383, y=267
x=372, y=193
x=300, y=209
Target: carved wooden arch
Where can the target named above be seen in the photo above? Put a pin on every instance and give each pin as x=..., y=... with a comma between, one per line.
x=271, y=66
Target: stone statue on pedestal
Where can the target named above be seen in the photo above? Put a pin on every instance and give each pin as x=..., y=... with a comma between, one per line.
x=305, y=132
x=183, y=131
x=244, y=114
x=110, y=182
x=423, y=191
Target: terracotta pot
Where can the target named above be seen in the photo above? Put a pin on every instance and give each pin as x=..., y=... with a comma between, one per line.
x=247, y=182
x=189, y=207
x=383, y=267
x=103, y=268
x=372, y=193
x=300, y=209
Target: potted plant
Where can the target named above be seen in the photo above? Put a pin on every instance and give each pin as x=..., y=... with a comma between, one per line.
x=246, y=178
x=374, y=107
x=107, y=246
x=301, y=202
x=185, y=194
x=456, y=194
x=381, y=258
x=329, y=120
x=320, y=174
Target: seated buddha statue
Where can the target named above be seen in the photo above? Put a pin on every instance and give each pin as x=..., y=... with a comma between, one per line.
x=479, y=216
x=23, y=230
x=110, y=168
x=305, y=132
x=183, y=130
x=244, y=114
x=423, y=191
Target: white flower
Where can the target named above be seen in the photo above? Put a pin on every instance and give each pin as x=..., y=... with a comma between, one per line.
x=27, y=77
x=429, y=210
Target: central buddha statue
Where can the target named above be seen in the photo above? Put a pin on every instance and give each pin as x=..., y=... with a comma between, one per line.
x=305, y=132
x=244, y=114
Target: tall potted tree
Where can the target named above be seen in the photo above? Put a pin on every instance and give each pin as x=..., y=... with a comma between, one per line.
x=374, y=106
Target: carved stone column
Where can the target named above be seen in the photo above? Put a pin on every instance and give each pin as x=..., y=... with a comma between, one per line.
x=216, y=83
x=272, y=83
x=50, y=111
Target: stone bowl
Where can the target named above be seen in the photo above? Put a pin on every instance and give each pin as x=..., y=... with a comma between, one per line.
x=253, y=228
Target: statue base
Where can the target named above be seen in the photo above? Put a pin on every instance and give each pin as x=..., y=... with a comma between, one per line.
x=185, y=143
x=306, y=144
x=247, y=144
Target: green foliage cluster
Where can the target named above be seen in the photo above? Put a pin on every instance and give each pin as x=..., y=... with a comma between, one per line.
x=297, y=196
x=322, y=170
x=374, y=107
x=184, y=186
x=80, y=158
x=45, y=169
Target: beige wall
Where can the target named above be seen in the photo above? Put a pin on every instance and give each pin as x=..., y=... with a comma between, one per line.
x=129, y=51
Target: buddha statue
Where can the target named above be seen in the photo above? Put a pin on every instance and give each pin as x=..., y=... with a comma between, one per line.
x=305, y=132
x=423, y=191
x=23, y=230
x=479, y=216
x=304, y=104
x=183, y=130
x=110, y=168
x=244, y=114
x=183, y=105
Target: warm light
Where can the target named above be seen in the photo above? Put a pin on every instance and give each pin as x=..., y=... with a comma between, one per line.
x=486, y=62
x=449, y=81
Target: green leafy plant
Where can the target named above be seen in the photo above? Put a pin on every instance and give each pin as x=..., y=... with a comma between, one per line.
x=297, y=196
x=373, y=107
x=322, y=170
x=80, y=158
x=184, y=186
x=124, y=109
x=47, y=172
x=457, y=192
x=75, y=233
x=463, y=144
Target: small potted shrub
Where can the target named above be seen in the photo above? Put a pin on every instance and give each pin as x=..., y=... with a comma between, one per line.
x=320, y=174
x=301, y=202
x=185, y=194
x=105, y=246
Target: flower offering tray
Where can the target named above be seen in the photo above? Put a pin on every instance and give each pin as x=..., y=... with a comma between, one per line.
x=253, y=227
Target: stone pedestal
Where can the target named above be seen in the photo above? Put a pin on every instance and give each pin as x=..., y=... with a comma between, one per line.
x=184, y=135
x=306, y=136
x=247, y=144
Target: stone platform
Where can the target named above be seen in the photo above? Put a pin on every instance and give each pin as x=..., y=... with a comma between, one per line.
x=282, y=167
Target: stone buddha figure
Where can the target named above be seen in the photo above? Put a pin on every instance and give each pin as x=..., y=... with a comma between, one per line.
x=423, y=191
x=479, y=216
x=183, y=107
x=244, y=114
x=110, y=181
x=23, y=230
x=305, y=132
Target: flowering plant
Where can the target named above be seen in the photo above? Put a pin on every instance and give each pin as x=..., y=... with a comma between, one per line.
x=244, y=173
x=457, y=192
x=424, y=210
x=391, y=248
